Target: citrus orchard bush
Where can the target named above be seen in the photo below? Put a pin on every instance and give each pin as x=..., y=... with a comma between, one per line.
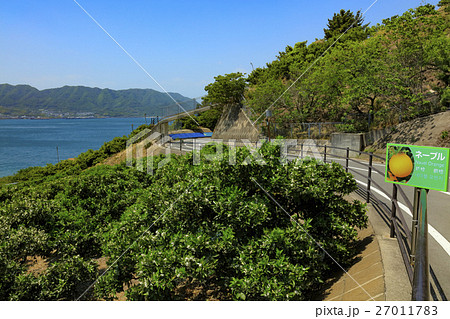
x=216, y=235
x=189, y=232
x=62, y=221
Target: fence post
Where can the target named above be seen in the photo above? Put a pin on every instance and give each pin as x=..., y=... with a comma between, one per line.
x=369, y=177
x=346, y=159
x=325, y=153
x=393, y=210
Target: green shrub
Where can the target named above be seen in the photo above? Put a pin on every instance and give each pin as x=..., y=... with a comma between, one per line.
x=225, y=239
x=65, y=279
x=9, y=271
x=114, y=146
x=204, y=231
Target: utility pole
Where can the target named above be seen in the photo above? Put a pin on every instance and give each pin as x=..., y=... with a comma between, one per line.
x=268, y=116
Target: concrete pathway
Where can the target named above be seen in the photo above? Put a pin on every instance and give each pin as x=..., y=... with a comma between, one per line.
x=378, y=273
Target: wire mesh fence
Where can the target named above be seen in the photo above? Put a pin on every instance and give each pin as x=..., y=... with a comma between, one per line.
x=317, y=130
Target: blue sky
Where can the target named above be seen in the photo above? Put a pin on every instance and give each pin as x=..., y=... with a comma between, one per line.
x=182, y=44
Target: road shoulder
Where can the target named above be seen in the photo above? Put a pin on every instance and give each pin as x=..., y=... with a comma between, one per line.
x=378, y=272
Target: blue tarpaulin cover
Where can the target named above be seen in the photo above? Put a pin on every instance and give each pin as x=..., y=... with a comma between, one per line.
x=186, y=135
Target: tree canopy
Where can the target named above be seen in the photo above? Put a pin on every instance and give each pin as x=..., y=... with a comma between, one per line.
x=373, y=76
x=368, y=77
x=227, y=89
x=342, y=22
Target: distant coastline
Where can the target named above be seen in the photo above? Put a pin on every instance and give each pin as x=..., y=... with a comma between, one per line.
x=72, y=118
x=49, y=118
x=80, y=102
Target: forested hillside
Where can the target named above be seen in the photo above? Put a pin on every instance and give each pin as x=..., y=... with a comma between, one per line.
x=79, y=101
x=378, y=75
x=357, y=74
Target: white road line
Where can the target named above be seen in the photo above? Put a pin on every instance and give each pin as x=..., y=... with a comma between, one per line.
x=340, y=159
x=365, y=162
x=358, y=168
x=364, y=169
x=441, y=240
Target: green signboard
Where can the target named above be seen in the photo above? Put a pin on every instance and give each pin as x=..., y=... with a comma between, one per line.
x=418, y=166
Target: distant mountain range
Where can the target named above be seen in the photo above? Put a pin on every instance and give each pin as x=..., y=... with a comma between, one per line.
x=24, y=101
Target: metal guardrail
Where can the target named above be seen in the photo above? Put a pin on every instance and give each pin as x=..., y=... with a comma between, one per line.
x=182, y=114
x=413, y=245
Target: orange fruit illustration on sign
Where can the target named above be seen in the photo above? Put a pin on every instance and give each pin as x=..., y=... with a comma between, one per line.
x=391, y=177
x=401, y=165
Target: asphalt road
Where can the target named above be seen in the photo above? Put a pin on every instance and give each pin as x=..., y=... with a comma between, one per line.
x=438, y=209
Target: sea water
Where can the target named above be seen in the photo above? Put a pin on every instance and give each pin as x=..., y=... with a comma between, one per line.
x=25, y=142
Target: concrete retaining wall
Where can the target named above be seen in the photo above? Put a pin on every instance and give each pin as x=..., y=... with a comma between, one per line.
x=375, y=135
x=234, y=124
x=354, y=141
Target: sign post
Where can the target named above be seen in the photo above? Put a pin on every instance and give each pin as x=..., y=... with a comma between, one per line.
x=421, y=278
x=424, y=168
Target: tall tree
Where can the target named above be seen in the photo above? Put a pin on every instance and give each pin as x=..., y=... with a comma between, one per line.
x=227, y=89
x=368, y=76
x=445, y=5
x=420, y=41
x=342, y=21
x=270, y=94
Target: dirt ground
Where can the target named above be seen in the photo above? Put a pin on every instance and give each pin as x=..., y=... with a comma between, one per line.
x=425, y=131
